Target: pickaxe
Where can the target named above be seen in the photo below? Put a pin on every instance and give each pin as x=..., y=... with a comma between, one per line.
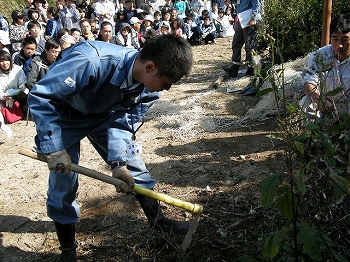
x=192, y=207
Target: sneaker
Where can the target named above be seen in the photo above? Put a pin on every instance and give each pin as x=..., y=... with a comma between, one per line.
x=232, y=71
x=7, y=130
x=68, y=256
x=250, y=71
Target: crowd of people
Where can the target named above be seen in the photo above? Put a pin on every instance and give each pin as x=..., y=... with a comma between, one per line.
x=38, y=32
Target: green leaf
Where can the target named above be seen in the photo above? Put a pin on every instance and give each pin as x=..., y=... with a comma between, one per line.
x=341, y=185
x=264, y=92
x=284, y=201
x=300, y=179
x=300, y=147
x=334, y=92
x=271, y=246
x=314, y=242
x=303, y=136
x=312, y=127
x=268, y=189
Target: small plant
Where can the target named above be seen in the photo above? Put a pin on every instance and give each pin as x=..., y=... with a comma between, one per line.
x=313, y=194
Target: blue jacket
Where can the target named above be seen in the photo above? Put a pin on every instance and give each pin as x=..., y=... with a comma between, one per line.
x=244, y=5
x=91, y=77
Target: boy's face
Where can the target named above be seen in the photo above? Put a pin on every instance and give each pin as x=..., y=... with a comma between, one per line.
x=35, y=31
x=154, y=83
x=341, y=44
x=129, y=5
x=166, y=17
x=52, y=53
x=29, y=50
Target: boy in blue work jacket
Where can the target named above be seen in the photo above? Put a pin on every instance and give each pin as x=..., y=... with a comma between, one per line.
x=100, y=91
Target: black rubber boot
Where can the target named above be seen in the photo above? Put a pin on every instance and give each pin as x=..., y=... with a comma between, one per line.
x=66, y=237
x=250, y=71
x=156, y=218
x=232, y=71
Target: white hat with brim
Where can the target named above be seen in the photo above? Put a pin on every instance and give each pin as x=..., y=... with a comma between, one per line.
x=149, y=18
x=135, y=20
x=4, y=38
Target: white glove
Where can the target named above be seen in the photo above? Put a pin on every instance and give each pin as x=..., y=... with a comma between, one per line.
x=59, y=161
x=139, y=10
x=122, y=173
x=9, y=102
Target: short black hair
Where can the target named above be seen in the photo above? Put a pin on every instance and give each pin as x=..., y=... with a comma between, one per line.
x=6, y=56
x=52, y=43
x=340, y=23
x=31, y=24
x=29, y=40
x=171, y=54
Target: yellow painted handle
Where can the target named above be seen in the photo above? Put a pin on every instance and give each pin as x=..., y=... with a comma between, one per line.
x=195, y=208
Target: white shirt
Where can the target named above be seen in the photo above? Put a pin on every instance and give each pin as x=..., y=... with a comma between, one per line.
x=103, y=7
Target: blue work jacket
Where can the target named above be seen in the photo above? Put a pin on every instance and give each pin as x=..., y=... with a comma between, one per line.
x=91, y=77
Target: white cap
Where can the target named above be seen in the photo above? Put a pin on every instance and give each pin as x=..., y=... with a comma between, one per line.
x=164, y=23
x=134, y=20
x=4, y=38
x=149, y=18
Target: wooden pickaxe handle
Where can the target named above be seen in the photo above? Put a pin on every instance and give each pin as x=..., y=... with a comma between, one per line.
x=192, y=207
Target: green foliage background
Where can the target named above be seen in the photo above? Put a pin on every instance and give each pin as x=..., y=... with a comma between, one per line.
x=296, y=24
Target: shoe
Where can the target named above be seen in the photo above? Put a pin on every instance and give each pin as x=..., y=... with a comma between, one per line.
x=66, y=237
x=249, y=90
x=157, y=219
x=215, y=42
x=232, y=71
x=68, y=256
x=7, y=130
x=250, y=71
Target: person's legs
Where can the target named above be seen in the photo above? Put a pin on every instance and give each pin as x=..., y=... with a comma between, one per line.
x=237, y=44
x=61, y=205
x=138, y=170
x=250, y=41
x=4, y=127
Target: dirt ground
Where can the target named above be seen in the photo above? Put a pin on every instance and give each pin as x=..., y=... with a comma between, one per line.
x=213, y=163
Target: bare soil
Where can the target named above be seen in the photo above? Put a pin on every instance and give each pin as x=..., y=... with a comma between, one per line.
x=219, y=168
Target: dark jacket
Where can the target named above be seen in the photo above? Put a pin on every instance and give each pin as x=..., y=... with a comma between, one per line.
x=37, y=69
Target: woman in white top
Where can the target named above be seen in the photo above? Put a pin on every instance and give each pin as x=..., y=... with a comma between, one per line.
x=12, y=81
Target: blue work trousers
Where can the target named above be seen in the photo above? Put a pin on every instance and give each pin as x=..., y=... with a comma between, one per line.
x=61, y=201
